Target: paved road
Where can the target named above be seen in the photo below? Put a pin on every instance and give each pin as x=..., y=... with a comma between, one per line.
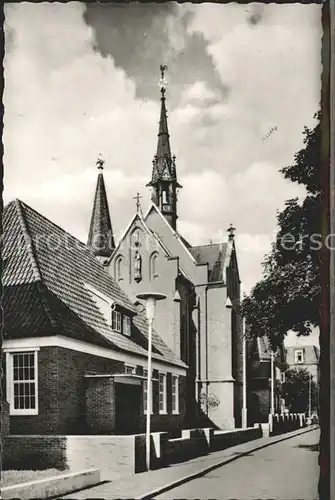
x=287, y=470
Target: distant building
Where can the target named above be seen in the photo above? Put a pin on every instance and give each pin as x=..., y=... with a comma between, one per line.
x=307, y=357
x=259, y=379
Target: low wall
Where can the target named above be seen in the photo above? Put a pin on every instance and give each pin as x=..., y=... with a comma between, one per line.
x=114, y=455
x=279, y=424
x=226, y=439
x=51, y=486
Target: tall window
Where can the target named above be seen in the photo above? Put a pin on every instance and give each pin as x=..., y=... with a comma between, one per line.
x=299, y=356
x=154, y=266
x=126, y=325
x=175, y=394
x=22, y=387
x=162, y=393
x=116, y=321
x=145, y=393
x=119, y=269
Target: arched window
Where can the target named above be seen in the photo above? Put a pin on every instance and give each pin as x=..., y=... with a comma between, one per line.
x=119, y=268
x=153, y=266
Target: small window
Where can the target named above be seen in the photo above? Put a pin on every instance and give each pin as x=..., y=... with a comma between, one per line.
x=162, y=393
x=164, y=197
x=130, y=369
x=283, y=378
x=119, y=269
x=22, y=387
x=154, y=266
x=126, y=325
x=299, y=356
x=116, y=321
x=175, y=394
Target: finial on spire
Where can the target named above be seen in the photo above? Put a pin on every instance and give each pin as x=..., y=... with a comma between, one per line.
x=100, y=163
x=138, y=203
x=162, y=81
x=231, y=231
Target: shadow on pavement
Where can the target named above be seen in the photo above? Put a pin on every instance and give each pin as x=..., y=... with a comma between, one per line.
x=311, y=447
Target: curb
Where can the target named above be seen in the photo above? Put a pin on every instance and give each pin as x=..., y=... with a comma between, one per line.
x=202, y=472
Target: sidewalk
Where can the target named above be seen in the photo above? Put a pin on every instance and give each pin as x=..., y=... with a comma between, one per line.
x=148, y=484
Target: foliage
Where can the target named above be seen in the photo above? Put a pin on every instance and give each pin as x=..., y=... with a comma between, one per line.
x=295, y=391
x=288, y=295
x=208, y=403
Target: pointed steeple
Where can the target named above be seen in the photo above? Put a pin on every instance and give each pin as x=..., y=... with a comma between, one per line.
x=100, y=238
x=164, y=182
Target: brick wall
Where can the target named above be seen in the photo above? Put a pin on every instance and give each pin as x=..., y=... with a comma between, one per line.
x=5, y=426
x=70, y=403
x=114, y=455
x=100, y=404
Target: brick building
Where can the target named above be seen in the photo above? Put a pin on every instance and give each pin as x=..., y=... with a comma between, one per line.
x=198, y=321
x=74, y=344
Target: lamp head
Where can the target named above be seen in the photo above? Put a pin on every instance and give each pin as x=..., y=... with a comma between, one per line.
x=150, y=302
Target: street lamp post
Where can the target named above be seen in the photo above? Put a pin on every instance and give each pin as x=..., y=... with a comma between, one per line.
x=272, y=385
x=244, y=396
x=310, y=397
x=150, y=299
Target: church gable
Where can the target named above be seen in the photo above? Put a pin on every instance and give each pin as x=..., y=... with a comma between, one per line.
x=175, y=245
x=139, y=256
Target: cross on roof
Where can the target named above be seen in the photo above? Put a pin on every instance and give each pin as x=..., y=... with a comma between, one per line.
x=138, y=203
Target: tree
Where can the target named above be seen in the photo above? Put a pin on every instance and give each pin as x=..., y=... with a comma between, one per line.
x=295, y=391
x=288, y=295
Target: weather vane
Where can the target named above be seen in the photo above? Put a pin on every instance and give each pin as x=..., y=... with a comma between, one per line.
x=100, y=163
x=162, y=81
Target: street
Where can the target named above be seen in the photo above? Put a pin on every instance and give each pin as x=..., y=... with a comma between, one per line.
x=287, y=470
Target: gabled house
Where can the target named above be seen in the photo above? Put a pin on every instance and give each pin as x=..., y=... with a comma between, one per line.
x=304, y=357
x=74, y=343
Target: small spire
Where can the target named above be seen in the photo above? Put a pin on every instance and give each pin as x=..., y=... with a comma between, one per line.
x=231, y=231
x=100, y=238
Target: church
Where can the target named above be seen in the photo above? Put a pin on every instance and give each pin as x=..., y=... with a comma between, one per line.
x=199, y=320
x=75, y=335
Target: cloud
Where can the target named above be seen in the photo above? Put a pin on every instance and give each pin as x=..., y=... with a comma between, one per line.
x=82, y=80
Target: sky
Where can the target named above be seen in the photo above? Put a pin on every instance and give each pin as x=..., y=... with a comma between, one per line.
x=81, y=80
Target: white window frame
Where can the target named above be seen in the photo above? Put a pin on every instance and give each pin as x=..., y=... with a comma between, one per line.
x=296, y=352
x=162, y=411
x=175, y=397
x=117, y=321
x=10, y=380
x=283, y=377
x=126, y=325
x=145, y=386
x=132, y=367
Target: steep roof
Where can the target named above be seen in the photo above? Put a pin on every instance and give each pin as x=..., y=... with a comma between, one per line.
x=311, y=354
x=100, y=237
x=213, y=255
x=45, y=278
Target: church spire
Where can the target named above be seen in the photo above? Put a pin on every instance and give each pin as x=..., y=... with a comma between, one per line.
x=100, y=238
x=164, y=177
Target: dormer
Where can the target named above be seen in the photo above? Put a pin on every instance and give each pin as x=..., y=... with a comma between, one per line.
x=116, y=316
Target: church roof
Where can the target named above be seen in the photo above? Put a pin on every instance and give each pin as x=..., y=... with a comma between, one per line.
x=100, y=238
x=212, y=254
x=45, y=278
